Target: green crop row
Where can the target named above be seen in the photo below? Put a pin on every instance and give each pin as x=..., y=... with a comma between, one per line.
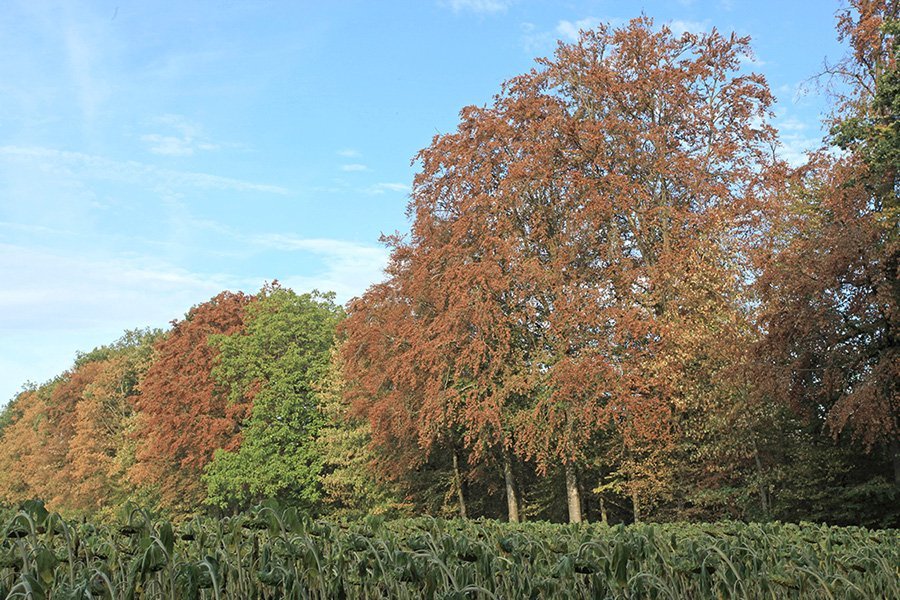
x=273, y=553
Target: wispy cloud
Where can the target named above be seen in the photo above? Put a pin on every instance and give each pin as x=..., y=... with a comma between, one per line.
x=479, y=6
x=354, y=168
x=792, y=124
x=349, y=267
x=55, y=289
x=348, y=153
x=80, y=57
x=183, y=137
x=168, y=145
x=54, y=302
x=795, y=141
x=681, y=26
x=102, y=168
x=797, y=136
x=543, y=41
x=381, y=188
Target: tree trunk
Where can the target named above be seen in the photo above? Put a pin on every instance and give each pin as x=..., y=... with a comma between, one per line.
x=512, y=503
x=460, y=487
x=763, y=496
x=603, y=515
x=572, y=494
x=636, y=502
x=895, y=458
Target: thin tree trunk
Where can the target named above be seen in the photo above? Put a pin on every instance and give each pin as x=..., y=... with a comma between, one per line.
x=603, y=515
x=572, y=494
x=512, y=504
x=895, y=457
x=636, y=502
x=460, y=487
x=763, y=496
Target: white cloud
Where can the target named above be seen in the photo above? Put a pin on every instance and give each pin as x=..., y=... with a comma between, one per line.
x=380, y=188
x=479, y=6
x=354, y=168
x=168, y=145
x=797, y=93
x=568, y=30
x=98, y=167
x=793, y=148
x=751, y=60
x=797, y=136
x=349, y=267
x=90, y=92
x=57, y=290
x=55, y=302
x=348, y=153
x=792, y=124
x=537, y=41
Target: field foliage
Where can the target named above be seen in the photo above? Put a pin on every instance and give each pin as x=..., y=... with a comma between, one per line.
x=269, y=552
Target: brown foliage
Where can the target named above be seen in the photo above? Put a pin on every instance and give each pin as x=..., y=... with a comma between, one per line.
x=831, y=306
x=831, y=273
x=184, y=415
x=564, y=239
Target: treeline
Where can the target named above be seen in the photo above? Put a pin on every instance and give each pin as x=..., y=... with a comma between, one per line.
x=615, y=303
x=236, y=403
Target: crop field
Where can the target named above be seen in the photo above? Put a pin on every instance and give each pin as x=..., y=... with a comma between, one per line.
x=274, y=553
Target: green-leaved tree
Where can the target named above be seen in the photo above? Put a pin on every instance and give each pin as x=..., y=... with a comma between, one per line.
x=276, y=364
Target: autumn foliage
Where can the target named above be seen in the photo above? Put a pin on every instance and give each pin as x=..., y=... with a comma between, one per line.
x=568, y=244
x=615, y=302
x=185, y=415
x=831, y=280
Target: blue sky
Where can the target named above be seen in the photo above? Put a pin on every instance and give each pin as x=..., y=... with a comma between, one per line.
x=155, y=153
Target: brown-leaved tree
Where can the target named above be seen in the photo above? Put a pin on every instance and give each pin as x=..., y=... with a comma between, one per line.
x=562, y=238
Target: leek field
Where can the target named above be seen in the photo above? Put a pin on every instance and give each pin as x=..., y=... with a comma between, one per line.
x=270, y=552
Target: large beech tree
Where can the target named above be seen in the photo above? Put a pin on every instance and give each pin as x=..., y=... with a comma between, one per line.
x=564, y=239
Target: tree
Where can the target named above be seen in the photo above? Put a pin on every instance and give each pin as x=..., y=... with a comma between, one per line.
x=102, y=449
x=184, y=412
x=275, y=364
x=383, y=378
x=35, y=446
x=350, y=483
x=831, y=274
x=558, y=239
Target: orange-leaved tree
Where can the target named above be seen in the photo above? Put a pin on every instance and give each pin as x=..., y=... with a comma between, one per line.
x=560, y=235
x=34, y=447
x=102, y=448
x=184, y=414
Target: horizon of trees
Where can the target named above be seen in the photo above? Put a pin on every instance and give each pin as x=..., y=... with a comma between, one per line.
x=615, y=303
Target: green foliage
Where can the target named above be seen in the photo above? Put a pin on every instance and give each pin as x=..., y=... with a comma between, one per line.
x=132, y=339
x=269, y=552
x=817, y=479
x=275, y=364
x=350, y=488
x=874, y=134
